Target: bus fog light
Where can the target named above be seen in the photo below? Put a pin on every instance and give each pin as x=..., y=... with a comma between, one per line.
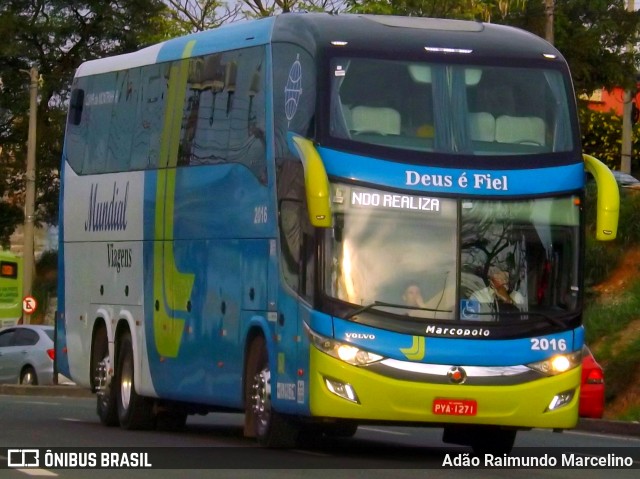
x=561, y=399
x=344, y=390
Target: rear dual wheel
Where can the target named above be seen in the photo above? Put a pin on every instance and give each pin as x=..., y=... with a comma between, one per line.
x=100, y=383
x=134, y=411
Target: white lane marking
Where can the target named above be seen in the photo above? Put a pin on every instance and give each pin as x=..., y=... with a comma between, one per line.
x=37, y=472
x=618, y=437
x=31, y=472
x=395, y=433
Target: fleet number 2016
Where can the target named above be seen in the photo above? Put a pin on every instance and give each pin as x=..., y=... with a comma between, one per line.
x=544, y=344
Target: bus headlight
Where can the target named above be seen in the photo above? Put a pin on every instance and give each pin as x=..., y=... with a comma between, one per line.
x=347, y=353
x=557, y=364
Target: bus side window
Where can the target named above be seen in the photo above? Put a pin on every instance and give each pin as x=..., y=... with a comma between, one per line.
x=97, y=122
x=291, y=238
x=75, y=106
x=145, y=151
x=298, y=247
x=123, y=120
x=224, y=111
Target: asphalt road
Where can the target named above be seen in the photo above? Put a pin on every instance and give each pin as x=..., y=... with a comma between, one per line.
x=602, y=426
x=63, y=418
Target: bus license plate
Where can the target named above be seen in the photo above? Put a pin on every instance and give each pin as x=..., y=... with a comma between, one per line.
x=455, y=407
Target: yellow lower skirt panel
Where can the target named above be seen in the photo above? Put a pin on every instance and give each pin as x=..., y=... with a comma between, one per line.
x=386, y=399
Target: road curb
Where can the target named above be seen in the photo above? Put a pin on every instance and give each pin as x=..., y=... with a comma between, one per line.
x=602, y=426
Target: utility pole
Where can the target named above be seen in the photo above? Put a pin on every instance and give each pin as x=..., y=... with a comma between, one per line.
x=627, y=127
x=30, y=196
x=549, y=6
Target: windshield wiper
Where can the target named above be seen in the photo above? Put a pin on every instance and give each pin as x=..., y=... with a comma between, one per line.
x=557, y=321
x=377, y=304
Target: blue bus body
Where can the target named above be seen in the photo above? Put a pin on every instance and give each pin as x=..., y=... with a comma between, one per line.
x=191, y=263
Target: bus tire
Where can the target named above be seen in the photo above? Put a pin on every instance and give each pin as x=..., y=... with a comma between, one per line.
x=269, y=427
x=106, y=393
x=134, y=411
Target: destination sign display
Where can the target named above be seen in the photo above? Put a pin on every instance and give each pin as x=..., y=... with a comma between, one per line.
x=372, y=199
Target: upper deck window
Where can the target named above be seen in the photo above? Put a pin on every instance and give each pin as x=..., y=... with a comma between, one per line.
x=450, y=108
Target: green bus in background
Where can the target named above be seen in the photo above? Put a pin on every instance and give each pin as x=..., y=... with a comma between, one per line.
x=10, y=288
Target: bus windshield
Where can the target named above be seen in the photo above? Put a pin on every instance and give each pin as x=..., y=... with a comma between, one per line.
x=442, y=258
x=450, y=108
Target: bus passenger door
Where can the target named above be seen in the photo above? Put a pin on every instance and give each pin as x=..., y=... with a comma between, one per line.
x=298, y=268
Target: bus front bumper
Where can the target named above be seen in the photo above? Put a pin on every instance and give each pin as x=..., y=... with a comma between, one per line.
x=340, y=390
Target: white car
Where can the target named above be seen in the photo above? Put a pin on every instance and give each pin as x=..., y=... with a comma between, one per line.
x=626, y=181
x=26, y=354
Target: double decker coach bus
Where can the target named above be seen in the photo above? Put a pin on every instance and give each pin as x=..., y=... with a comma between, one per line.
x=326, y=221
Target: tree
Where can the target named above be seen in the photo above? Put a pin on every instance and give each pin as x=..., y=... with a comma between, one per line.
x=198, y=15
x=593, y=36
x=458, y=9
x=56, y=36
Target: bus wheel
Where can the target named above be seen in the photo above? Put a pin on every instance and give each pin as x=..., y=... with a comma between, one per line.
x=101, y=383
x=270, y=428
x=134, y=411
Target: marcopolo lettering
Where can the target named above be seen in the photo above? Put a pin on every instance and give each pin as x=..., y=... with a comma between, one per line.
x=459, y=332
x=109, y=214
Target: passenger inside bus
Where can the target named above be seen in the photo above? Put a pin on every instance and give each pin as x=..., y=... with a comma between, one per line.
x=436, y=307
x=499, y=295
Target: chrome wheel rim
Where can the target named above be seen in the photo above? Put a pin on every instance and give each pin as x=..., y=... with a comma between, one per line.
x=261, y=396
x=126, y=383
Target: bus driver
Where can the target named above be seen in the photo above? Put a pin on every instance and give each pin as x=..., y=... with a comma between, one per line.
x=498, y=293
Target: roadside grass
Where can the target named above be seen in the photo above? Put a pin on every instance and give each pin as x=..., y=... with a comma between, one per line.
x=632, y=414
x=619, y=374
x=617, y=347
x=602, y=257
x=602, y=320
